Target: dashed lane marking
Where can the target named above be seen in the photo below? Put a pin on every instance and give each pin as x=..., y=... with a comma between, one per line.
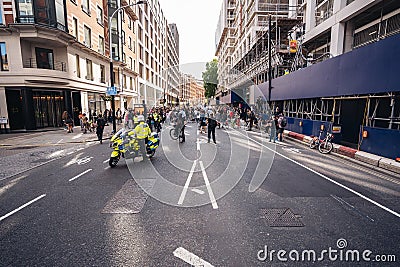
x=21, y=207
x=190, y=258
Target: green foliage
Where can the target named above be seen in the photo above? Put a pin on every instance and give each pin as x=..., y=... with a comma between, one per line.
x=210, y=78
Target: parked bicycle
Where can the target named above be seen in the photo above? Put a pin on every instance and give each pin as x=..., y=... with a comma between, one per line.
x=324, y=145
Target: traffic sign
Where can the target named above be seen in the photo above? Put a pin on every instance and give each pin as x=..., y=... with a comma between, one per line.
x=111, y=90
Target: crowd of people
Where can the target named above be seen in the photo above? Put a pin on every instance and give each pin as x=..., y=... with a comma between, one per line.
x=208, y=118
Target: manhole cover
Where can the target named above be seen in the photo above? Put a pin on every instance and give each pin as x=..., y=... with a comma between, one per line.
x=283, y=217
x=21, y=147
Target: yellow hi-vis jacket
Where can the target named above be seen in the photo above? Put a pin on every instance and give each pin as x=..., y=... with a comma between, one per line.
x=135, y=120
x=142, y=130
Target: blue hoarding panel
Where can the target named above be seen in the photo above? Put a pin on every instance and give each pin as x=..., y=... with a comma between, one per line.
x=383, y=142
x=369, y=69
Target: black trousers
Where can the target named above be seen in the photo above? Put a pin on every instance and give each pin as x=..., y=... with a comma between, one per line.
x=100, y=134
x=211, y=131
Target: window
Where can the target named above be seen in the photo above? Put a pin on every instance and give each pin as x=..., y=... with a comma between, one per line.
x=1, y=14
x=129, y=23
x=3, y=57
x=78, y=66
x=89, y=70
x=102, y=74
x=75, y=27
x=86, y=6
x=25, y=9
x=131, y=83
x=44, y=58
x=88, y=37
x=123, y=37
x=99, y=15
x=123, y=57
x=124, y=80
x=134, y=47
x=101, y=45
x=130, y=43
x=130, y=63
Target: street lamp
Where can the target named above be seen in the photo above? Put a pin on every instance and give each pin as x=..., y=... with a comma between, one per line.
x=111, y=59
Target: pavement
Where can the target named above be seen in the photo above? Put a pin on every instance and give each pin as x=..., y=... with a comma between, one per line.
x=361, y=156
x=23, y=151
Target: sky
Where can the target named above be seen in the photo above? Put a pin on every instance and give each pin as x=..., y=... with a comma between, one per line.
x=196, y=21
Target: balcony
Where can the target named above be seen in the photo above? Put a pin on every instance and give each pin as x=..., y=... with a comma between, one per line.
x=32, y=63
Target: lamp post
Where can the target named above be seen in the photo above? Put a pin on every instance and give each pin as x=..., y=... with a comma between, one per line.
x=111, y=59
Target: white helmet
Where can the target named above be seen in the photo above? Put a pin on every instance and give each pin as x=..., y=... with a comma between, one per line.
x=140, y=118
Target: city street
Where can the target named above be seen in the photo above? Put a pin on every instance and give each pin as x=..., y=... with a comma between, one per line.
x=234, y=203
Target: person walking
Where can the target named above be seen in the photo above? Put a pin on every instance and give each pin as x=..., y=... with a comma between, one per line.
x=68, y=121
x=100, y=122
x=272, y=126
x=212, y=124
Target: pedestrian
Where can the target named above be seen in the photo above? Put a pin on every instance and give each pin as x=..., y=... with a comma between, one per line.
x=281, y=126
x=272, y=128
x=68, y=121
x=212, y=124
x=100, y=127
x=85, y=123
x=203, y=122
x=118, y=115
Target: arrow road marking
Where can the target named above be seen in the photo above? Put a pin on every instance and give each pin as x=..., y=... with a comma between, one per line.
x=190, y=258
x=185, y=188
x=20, y=208
x=210, y=192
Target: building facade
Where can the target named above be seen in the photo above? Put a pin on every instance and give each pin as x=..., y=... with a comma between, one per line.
x=55, y=58
x=332, y=62
x=157, y=57
x=191, y=90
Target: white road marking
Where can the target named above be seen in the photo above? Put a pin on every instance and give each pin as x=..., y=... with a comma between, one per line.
x=79, y=175
x=185, y=188
x=107, y=160
x=329, y=179
x=70, y=153
x=106, y=168
x=198, y=191
x=84, y=160
x=60, y=141
x=198, y=144
x=190, y=258
x=77, y=136
x=20, y=208
x=79, y=149
x=210, y=192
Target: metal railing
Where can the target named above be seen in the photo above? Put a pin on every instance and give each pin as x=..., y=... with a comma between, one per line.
x=31, y=63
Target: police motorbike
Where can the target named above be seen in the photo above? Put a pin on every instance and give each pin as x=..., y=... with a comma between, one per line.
x=125, y=143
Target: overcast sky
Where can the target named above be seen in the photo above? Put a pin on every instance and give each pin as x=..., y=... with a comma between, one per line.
x=196, y=21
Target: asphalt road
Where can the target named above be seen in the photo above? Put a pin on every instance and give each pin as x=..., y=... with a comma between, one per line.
x=201, y=204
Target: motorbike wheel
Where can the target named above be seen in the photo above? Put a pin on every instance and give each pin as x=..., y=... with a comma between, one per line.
x=313, y=144
x=325, y=147
x=172, y=134
x=113, y=162
x=151, y=154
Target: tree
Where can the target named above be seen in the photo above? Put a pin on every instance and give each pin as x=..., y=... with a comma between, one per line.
x=210, y=78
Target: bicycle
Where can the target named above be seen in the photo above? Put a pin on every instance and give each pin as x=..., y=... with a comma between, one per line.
x=177, y=134
x=325, y=145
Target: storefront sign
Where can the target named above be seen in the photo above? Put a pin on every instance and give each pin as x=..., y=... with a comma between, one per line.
x=336, y=129
x=3, y=120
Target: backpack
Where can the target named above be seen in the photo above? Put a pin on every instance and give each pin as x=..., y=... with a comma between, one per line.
x=283, y=122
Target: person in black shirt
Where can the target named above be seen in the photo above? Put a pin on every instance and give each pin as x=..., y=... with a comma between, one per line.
x=100, y=127
x=212, y=124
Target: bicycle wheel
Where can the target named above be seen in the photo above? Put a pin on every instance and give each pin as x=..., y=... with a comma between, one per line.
x=325, y=147
x=172, y=134
x=312, y=143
